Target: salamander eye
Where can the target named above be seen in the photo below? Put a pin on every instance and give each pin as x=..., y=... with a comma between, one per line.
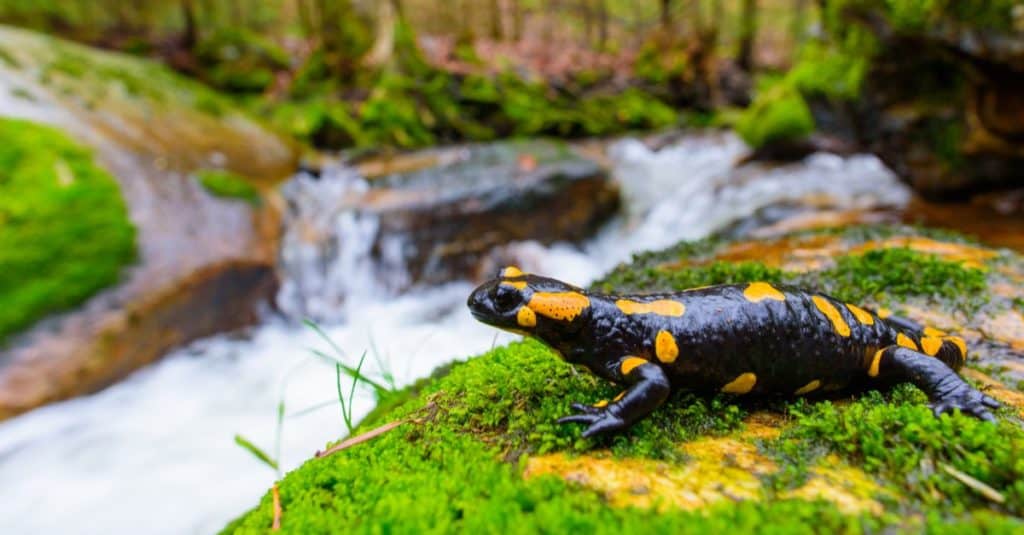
x=506, y=297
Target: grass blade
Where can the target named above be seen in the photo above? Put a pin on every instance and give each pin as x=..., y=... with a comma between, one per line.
x=255, y=451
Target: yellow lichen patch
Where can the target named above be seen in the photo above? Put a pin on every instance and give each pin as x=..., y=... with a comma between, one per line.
x=665, y=347
x=720, y=470
x=833, y=315
x=996, y=389
x=661, y=307
x=850, y=489
x=717, y=469
x=931, y=345
x=759, y=291
x=808, y=388
x=905, y=341
x=742, y=384
x=931, y=331
x=511, y=271
x=563, y=306
x=862, y=315
x=875, y=361
x=630, y=364
x=518, y=285
x=526, y=318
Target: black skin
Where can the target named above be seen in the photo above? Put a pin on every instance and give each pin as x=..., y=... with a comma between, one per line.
x=787, y=342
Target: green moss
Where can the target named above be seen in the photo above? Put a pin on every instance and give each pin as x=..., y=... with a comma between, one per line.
x=226, y=184
x=779, y=115
x=898, y=437
x=66, y=232
x=884, y=275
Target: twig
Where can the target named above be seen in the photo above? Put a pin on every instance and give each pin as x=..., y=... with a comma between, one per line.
x=369, y=435
x=979, y=487
x=276, y=525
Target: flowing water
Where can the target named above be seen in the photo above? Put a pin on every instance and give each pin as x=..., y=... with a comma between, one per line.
x=156, y=454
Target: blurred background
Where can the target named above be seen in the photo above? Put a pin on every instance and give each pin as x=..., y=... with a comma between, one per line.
x=214, y=212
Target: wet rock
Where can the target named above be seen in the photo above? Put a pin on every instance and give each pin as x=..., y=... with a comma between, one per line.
x=947, y=118
x=205, y=263
x=432, y=216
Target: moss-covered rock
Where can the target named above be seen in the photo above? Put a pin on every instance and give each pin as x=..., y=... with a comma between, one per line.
x=933, y=88
x=65, y=229
x=66, y=232
x=479, y=449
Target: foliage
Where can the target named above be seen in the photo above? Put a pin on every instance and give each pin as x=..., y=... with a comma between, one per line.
x=66, y=232
x=779, y=115
x=223, y=183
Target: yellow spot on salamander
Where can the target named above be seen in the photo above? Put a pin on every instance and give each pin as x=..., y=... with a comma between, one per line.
x=526, y=318
x=631, y=363
x=511, y=271
x=930, y=331
x=905, y=341
x=808, y=388
x=862, y=315
x=620, y=396
x=884, y=313
x=873, y=370
x=661, y=307
x=563, y=306
x=665, y=347
x=759, y=291
x=742, y=384
x=959, y=344
x=518, y=285
x=830, y=312
x=601, y=404
x=931, y=345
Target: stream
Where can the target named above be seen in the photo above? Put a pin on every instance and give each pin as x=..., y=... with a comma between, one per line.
x=156, y=452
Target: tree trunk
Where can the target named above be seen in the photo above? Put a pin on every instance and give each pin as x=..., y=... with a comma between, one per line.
x=188, y=15
x=748, y=33
x=799, y=23
x=666, y=16
x=517, y=20
x=496, y=31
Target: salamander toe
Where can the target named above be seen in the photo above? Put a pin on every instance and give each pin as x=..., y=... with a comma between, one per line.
x=968, y=401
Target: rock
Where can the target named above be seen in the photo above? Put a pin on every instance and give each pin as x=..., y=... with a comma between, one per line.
x=432, y=216
x=949, y=117
x=479, y=450
x=205, y=263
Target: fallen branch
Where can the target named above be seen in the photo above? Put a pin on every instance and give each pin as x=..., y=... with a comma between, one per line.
x=276, y=525
x=369, y=435
x=979, y=487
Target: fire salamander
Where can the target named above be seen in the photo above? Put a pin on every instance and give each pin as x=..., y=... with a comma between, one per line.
x=754, y=338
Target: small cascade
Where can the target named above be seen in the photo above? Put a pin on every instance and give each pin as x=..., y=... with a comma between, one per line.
x=327, y=246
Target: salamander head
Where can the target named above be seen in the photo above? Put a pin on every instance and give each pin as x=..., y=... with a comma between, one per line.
x=528, y=304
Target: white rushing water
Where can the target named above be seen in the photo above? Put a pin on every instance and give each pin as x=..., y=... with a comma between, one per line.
x=156, y=454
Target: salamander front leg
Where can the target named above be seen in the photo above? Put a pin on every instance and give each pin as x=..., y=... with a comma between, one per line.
x=649, y=388
x=945, y=389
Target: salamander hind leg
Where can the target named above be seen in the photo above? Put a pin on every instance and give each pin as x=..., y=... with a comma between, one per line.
x=945, y=389
x=649, y=388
